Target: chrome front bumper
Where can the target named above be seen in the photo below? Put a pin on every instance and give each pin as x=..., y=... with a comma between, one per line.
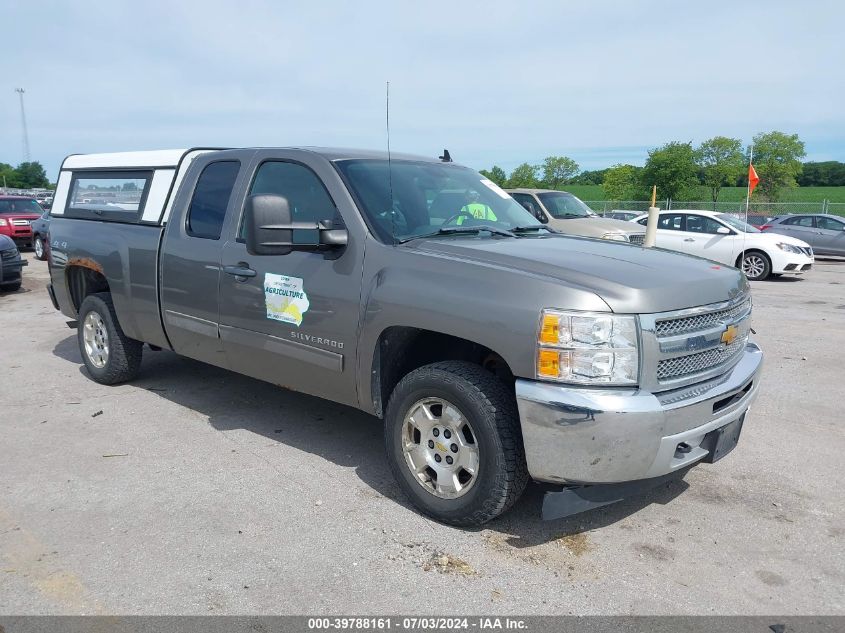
x=576, y=435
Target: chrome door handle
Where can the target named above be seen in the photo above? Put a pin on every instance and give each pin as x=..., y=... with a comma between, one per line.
x=242, y=270
x=689, y=239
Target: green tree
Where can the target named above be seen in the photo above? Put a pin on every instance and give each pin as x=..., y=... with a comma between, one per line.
x=587, y=177
x=721, y=163
x=9, y=175
x=31, y=175
x=672, y=168
x=621, y=182
x=558, y=170
x=829, y=173
x=524, y=175
x=777, y=160
x=496, y=174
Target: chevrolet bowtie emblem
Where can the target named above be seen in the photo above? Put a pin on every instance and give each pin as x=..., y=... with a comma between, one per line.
x=730, y=334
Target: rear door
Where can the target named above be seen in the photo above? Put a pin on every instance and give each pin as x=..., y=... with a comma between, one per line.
x=830, y=239
x=293, y=319
x=670, y=228
x=191, y=252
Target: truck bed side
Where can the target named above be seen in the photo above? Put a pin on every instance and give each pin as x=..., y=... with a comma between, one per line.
x=88, y=255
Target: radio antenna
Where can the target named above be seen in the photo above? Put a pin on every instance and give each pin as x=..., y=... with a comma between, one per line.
x=390, y=166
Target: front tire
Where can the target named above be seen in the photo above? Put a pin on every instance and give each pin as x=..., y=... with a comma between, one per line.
x=454, y=443
x=40, y=252
x=109, y=355
x=756, y=265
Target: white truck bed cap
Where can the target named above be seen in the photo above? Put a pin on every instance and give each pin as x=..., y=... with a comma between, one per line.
x=154, y=158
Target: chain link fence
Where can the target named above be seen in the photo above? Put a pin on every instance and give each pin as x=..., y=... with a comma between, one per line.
x=757, y=208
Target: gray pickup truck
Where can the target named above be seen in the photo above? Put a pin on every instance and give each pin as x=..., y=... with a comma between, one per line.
x=494, y=349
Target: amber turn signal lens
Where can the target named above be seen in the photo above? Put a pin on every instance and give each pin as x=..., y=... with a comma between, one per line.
x=550, y=329
x=548, y=363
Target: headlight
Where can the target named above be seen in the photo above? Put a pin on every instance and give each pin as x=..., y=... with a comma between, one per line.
x=588, y=348
x=789, y=248
x=3, y=222
x=618, y=237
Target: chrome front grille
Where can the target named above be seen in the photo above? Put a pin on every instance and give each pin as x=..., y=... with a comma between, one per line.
x=637, y=238
x=686, y=347
x=699, y=362
x=703, y=321
x=10, y=253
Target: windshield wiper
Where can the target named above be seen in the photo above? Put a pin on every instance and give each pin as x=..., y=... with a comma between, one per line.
x=570, y=215
x=452, y=230
x=529, y=227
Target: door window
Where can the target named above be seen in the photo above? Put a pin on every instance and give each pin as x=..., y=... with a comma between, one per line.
x=701, y=224
x=307, y=197
x=211, y=198
x=806, y=220
x=830, y=224
x=530, y=204
x=670, y=221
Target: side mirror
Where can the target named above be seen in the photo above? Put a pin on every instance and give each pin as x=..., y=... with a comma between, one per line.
x=267, y=225
x=723, y=230
x=269, y=230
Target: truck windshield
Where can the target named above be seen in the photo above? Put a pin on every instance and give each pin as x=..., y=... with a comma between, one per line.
x=738, y=224
x=562, y=205
x=408, y=199
x=22, y=205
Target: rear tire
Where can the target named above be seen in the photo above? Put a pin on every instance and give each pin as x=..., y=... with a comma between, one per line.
x=756, y=265
x=459, y=395
x=109, y=355
x=13, y=287
x=40, y=252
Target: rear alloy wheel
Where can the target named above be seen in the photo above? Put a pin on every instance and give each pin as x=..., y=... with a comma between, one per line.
x=39, y=248
x=756, y=265
x=109, y=355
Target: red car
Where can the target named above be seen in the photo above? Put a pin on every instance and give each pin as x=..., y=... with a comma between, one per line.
x=16, y=215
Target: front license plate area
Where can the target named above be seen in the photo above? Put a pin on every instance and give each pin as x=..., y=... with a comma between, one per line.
x=723, y=440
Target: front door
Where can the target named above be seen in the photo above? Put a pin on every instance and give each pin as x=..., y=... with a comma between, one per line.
x=701, y=238
x=831, y=237
x=293, y=319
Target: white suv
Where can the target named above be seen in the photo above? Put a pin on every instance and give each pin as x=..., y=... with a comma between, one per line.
x=723, y=238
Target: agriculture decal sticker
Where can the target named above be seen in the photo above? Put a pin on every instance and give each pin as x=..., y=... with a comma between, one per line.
x=285, y=298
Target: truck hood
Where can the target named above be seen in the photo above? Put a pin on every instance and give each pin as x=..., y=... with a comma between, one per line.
x=630, y=279
x=594, y=226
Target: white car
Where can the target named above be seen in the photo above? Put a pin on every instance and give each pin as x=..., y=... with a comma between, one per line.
x=723, y=238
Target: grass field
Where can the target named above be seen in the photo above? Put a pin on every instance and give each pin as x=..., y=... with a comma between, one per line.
x=731, y=194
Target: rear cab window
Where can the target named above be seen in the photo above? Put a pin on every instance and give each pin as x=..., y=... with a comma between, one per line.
x=112, y=196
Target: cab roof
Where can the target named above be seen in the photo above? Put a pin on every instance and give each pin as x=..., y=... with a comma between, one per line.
x=172, y=157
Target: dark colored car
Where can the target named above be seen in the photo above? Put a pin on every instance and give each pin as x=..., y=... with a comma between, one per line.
x=40, y=240
x=16, y=215
x=824, y=232
x=11, y=264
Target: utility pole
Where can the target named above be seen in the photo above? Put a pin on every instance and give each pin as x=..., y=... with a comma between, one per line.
x=20, y=92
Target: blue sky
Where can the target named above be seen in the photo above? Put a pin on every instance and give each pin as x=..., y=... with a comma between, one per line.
x=495, y=82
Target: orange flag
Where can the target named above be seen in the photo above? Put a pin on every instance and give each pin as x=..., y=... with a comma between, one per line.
x=753, y=178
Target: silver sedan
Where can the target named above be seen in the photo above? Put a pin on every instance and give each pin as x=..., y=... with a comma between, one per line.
x=824, y=232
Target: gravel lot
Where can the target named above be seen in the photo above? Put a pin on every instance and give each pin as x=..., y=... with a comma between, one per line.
x=195, y=490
